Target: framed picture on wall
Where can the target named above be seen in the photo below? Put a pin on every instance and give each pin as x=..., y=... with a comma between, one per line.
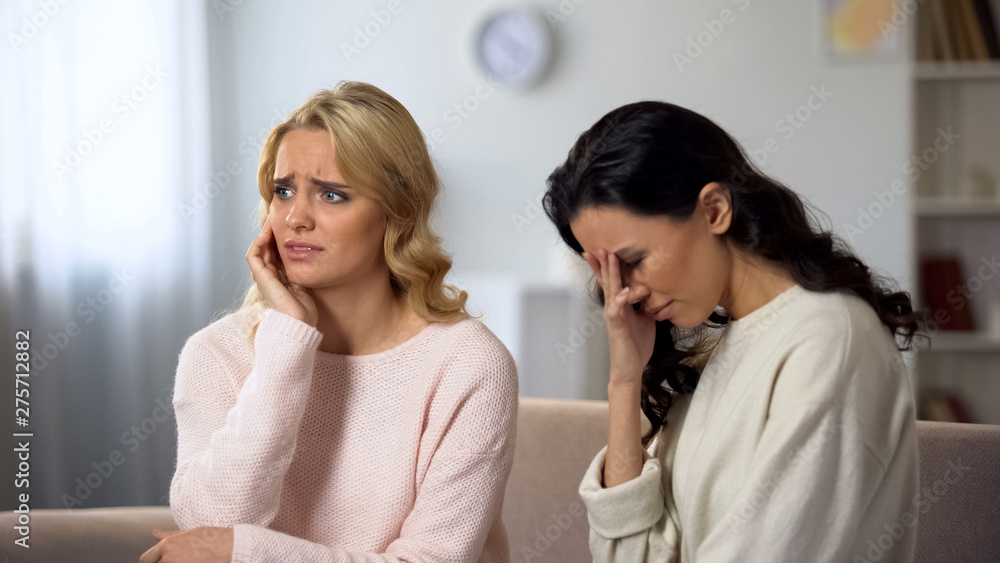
x=866, y=30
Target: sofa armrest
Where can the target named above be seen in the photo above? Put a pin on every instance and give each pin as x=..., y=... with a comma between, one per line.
x=85, y=535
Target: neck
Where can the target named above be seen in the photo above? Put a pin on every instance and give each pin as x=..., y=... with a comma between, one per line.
x=361, y=318
x=753, y=283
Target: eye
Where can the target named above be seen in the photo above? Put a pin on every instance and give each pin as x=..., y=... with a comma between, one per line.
x=634, y=265
x=328, y=193
x=278, y=191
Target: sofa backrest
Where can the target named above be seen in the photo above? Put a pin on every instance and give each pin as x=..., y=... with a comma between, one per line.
x=557, y=439
x=543, y=513
x=960, y=492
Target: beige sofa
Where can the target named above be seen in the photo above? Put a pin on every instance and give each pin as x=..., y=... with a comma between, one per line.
x=545, y=518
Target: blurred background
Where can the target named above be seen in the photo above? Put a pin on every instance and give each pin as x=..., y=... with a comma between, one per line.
x=131, y=132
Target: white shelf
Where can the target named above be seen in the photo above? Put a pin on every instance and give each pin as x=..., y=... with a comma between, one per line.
x=957, y=70
x=942, y=207
x=962, y=341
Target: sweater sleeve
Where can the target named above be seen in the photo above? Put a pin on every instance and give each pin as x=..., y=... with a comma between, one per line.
x=460, y=498
x=629, y=522
x=233, y=449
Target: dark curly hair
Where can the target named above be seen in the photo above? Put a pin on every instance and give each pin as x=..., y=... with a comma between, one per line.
x=653, y=158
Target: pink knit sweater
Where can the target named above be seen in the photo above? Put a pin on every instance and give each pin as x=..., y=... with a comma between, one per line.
x=402, y=455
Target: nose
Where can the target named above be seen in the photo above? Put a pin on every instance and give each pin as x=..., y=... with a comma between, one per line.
x=299, y=216
x=637, y=292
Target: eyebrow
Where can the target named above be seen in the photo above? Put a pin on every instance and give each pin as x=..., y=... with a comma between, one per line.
x=288, y=181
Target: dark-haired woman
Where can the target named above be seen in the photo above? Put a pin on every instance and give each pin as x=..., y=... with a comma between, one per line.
x=764, y=354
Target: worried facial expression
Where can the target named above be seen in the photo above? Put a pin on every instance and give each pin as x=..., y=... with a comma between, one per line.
x=326, y=232
x=665, y=261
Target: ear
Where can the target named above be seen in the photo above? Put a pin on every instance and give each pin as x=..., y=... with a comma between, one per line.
x=715, y=201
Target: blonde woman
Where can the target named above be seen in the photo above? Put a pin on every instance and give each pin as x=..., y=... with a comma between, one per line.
x=351, y=410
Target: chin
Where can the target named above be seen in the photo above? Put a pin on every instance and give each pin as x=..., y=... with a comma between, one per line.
x=686, y=322
x=683, y=324
x=296, y=279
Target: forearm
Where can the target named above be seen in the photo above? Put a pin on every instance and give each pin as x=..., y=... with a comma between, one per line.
x=624, y=457
x=237, y=478
x=233, y=452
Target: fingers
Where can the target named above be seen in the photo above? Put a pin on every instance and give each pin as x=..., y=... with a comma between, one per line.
x=614, y=275
x=259, y=255
x=152, y=555
x=265, y=244
x=254, y=252
x=615, y=296
x=608, y=273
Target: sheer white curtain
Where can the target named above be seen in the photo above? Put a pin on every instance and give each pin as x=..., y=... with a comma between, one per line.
x=104, y=234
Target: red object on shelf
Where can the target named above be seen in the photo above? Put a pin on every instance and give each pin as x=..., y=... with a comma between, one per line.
x=944, y=290
x=958, y=409
x=938, y=404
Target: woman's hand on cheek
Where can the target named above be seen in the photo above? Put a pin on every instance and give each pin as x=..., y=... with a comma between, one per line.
x=289, y=298
x=197, y=545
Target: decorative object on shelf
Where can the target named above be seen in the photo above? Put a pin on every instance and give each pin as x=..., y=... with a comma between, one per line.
x=978, y=184
x=940, y=405
x=944, y=292
x=993, y=318
x=959, y=30
x=514, y=46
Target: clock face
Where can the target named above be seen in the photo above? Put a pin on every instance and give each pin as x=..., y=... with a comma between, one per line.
x=514, y=46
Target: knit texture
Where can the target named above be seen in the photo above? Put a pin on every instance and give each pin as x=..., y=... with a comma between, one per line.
x=401, y=455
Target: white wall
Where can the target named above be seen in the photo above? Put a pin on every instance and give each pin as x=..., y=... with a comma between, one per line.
x=268, y=57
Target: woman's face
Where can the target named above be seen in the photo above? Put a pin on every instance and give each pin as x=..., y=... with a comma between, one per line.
x=313, y=207
x=684, y=263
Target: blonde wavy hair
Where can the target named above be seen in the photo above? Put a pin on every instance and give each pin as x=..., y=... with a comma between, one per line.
x=382, y=154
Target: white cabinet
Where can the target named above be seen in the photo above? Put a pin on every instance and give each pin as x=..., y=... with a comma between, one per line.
x=554, y=332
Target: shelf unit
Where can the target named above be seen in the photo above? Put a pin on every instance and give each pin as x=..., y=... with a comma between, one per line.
x=963, y=98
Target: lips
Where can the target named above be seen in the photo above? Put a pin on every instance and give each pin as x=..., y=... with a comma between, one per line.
x=652, y=312
x=300, y=250
x=658, y=312
x=302, y=245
